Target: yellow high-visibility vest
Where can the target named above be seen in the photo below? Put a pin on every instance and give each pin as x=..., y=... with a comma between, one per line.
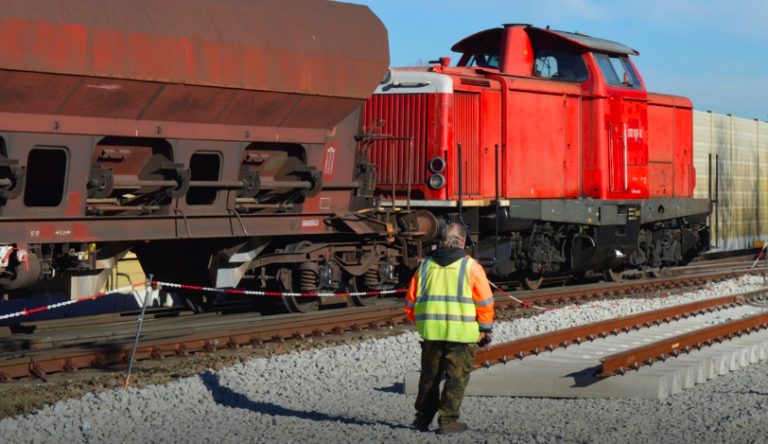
x=445, y=310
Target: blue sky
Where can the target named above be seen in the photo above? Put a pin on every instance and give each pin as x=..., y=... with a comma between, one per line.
x=713, y=51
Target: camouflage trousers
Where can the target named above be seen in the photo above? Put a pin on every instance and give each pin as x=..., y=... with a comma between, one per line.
x=449, y=360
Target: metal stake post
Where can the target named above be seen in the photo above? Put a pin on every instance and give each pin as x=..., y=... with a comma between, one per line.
x=765, y=262
x=147, y=289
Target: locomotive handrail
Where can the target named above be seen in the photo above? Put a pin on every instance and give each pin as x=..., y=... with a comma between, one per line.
x=216, y=184
x=128, y=184
x=265, y=184
x=341, y=186
x=271, y=184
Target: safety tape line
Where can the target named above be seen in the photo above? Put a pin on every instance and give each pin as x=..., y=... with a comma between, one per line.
x=519, y=301
x=760, y=255
x=31, y=311
x=157, y=284
x=275, y=293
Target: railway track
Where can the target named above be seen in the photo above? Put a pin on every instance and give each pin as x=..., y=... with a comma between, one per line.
x=100, y=342
x=739, y=325
x=633, y=359
x=534, y=345
x=649, y=355
x=66, y=350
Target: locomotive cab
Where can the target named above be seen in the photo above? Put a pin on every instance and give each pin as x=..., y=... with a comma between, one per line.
x=611, y=90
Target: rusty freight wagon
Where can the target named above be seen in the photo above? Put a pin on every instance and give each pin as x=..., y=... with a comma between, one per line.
x=213, y=138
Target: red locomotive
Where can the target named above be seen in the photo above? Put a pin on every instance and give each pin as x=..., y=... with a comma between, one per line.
x=549, y=147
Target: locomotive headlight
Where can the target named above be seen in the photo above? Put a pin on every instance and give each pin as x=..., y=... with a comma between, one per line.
x=436, y=165
x=436, y=181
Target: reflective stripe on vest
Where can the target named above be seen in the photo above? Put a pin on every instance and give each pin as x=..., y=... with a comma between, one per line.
x=445, y=310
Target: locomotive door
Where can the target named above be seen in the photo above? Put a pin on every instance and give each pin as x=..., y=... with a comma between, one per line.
x=490, y=144
x=618, y=179
x=627, y=125
x=627, y=150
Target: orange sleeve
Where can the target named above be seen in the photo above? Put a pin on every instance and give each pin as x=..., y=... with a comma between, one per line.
x=482, y=295
x=410, y=297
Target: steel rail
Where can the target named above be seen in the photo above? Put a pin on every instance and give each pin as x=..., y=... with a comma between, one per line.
x=551, y=297
x=182, y=339
x=532, y=345
x=100, y=355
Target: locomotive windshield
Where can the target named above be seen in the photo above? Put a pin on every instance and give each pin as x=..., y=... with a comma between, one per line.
x=617, y=70
x=559, y=65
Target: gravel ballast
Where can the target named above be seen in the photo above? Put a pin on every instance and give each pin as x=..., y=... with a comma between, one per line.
x=353, y=393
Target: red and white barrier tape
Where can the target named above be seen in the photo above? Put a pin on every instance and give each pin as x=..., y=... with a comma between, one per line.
x=275, y=293
x=31, y=311
x=519, y=301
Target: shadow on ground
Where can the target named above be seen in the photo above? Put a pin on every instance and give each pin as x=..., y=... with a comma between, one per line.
x=230, y=398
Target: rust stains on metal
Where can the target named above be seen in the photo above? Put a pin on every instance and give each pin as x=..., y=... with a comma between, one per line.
x=619, y=363
x=562, y=338
x=293, y=63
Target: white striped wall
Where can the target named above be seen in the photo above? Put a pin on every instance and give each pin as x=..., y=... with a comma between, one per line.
x=740, y=216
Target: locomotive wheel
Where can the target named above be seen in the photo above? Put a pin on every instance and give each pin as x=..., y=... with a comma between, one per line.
x=657, y=273
x=612, y=275
x=532, y=281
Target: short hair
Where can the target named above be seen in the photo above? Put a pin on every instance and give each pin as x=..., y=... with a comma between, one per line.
x=454, y=236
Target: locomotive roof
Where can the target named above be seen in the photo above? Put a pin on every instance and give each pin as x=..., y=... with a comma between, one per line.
x=491, y=39
x=593, y=42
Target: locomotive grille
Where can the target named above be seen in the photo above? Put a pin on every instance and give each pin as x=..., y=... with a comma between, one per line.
x=466, y=107
x=403, y=115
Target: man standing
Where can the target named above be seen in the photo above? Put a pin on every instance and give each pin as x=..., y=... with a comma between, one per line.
x=452, y=303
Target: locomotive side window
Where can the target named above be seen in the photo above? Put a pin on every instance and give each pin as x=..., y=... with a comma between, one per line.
x=203, y=166
x=559, y=65
x=484, y=60
x=617, y=71
x=46, y=173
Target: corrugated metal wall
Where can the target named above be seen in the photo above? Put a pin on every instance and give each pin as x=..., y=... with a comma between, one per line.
x=731, y=160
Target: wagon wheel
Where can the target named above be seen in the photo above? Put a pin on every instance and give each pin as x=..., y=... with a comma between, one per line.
x=363, y=283
x=657, y=273
x=288, y=279
x=295, y=304
x=612, y=275
x=532, y=281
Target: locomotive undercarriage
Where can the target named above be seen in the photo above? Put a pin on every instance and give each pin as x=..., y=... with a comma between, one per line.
x=529, y=250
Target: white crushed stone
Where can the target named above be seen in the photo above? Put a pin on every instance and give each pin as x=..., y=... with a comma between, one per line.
x=352, y=394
